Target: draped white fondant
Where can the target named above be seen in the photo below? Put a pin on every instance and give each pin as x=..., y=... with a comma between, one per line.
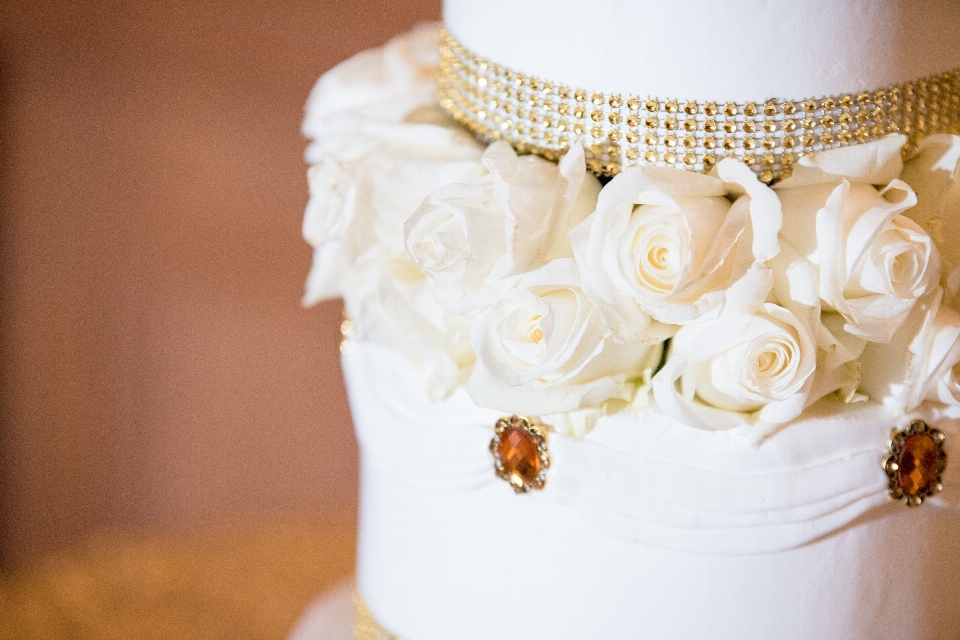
x=646, y=528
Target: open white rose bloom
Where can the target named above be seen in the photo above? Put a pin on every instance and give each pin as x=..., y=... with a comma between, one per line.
x=697, y=373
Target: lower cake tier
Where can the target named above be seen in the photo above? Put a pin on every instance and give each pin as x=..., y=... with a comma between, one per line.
x=645, y=528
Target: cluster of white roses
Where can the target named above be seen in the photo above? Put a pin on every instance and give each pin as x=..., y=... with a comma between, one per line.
x=546, y=294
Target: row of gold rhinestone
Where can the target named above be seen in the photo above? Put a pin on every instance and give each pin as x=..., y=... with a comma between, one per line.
x=616, y=131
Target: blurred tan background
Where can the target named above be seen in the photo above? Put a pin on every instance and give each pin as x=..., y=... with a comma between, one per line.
x=158, y=373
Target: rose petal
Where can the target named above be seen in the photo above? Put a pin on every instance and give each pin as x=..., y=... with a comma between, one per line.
x=765, y=214
x=876, y=162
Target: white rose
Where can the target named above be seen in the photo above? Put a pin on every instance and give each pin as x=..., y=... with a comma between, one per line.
x=760, y=369
x=392, y=306
x=381, y=145
x=372, y=92
x=752, y=367
x=466, y=238
x=325, y=223
x=933, y=175
x=542, y=349
x=695, y=243
x=873, y=262
x=919, y=362
x=456, y=236
x=356, y=210
x=357, y=231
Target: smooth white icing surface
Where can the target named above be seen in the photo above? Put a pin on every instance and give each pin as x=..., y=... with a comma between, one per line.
x=722, y=50
x=645, y=527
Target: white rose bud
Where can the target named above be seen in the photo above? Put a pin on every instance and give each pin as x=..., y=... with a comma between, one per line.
x=920, y=362
x=873, y=262
x=473, y=240
x=694, y=243
x=542, y=349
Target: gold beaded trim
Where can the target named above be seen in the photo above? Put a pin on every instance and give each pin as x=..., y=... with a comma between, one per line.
x=365, y=626
x=617, y=131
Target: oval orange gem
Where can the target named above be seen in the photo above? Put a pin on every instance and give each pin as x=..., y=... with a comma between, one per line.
x=917, y=464
x=519, y=455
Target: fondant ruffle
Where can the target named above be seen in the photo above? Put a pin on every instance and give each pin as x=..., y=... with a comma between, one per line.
x=642, y=477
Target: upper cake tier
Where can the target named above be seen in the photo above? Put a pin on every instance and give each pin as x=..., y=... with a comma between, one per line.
x=723, y=50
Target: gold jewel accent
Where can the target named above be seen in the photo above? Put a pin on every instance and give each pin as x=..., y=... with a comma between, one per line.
x=346, y=330
x=497, y=103
x=916, y=463
x=520, y=456
x=365, y=626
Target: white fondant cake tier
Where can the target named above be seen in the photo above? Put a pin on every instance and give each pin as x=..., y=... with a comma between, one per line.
x=722, y=50
x=646, y=528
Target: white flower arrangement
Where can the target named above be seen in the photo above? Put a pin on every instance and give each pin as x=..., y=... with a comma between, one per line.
x=715, y=299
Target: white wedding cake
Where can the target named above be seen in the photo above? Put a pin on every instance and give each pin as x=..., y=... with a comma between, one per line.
x=652, y=322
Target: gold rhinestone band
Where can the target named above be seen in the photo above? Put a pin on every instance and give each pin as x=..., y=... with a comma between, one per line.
x=365, y=626
x=618, y=131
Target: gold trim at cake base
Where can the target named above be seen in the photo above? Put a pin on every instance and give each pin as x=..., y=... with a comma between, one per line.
x=365, y=626
x=622, y=130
